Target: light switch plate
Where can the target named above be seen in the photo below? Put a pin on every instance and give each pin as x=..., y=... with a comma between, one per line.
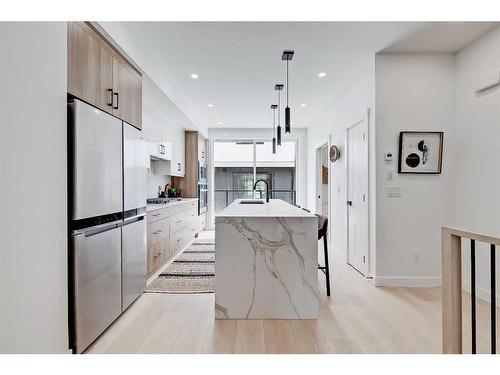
x=393, y=192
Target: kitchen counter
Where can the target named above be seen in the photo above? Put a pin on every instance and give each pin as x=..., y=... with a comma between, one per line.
x=275, y=208
x=154, y=207
x=266, y=262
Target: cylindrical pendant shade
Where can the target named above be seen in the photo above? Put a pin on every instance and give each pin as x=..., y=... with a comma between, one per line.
x=274, y=145
x=279, y=135
x=287, y=119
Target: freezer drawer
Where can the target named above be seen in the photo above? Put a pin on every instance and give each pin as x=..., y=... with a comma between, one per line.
x=96, y=161
x=134, y=168
x=97, y=283
x=134, y=259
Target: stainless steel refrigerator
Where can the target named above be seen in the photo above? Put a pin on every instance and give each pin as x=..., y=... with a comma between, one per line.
x=107, y=208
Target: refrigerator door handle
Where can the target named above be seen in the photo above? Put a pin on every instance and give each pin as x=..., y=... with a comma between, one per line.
x=95, y=231
x=133, y=220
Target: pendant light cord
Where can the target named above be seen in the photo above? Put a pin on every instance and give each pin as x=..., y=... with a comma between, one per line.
x=279, y=100
x=274, y=121
x=287, y=83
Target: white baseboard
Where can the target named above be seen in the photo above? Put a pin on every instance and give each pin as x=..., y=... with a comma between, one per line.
x=415, y=282
x=481, y=293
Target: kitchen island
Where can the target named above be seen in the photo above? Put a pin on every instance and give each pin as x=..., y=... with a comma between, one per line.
x=266, y=262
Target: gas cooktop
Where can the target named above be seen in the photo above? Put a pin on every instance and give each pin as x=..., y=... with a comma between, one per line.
x=162, y=200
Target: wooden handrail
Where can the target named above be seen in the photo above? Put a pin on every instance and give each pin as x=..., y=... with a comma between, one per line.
x=472, y=235
x=451, y=279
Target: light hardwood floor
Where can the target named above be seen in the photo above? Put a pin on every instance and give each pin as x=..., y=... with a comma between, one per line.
x=357, y=318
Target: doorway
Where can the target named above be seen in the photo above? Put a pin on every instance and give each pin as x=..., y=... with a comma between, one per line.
x=357, y=196
x=322, y=180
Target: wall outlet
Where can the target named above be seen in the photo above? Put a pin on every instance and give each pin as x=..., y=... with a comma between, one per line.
x=416, y=255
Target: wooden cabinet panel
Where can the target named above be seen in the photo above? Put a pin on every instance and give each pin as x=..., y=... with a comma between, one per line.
x=158, y=231
x=84, y=62
x=170, y=230
x=159, y=214
x=155, y=257
x=95, y=67
x=178, y=222
x=127, y=91
x=106, y=84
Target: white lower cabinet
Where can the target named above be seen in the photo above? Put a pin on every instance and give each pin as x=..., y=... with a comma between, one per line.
x=169, y=230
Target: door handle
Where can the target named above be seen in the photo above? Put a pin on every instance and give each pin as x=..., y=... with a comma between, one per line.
x=349, y=203
x=117, y=98
x=110, y=103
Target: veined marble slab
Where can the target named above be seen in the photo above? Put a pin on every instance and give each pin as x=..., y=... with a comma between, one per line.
x=266, y=262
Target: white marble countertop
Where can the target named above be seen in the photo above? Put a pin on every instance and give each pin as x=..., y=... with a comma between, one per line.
x=275, y=208
x=154, y=207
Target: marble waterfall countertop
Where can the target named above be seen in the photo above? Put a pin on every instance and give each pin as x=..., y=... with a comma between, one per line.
x=275, y=208
x=153, y=207
x=266, y=262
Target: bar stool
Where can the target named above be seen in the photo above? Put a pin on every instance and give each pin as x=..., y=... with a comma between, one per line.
x=322, y=233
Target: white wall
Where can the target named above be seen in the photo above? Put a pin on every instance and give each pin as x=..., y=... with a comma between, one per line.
x=413, y=92
x=347, y=109
x=477, y=176
x=33, y=223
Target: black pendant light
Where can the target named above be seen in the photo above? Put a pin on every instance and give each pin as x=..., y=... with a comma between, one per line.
x=279, y=88
x=273, y=107
x=287, y=56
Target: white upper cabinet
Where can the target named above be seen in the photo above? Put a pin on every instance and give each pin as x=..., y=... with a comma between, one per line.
x=177, y=138
x=163, y=128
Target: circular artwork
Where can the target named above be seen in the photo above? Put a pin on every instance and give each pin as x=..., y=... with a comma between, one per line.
x=334, y=153
x=413, y=160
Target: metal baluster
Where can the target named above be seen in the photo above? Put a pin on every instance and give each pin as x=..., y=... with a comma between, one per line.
x=493, y=301
x=473, y=292
x=227, y=197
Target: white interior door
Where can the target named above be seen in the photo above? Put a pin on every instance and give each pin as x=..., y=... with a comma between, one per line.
x=322, y=184
x=357, y=196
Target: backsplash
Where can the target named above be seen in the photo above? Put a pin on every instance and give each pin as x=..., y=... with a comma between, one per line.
x=153, y=181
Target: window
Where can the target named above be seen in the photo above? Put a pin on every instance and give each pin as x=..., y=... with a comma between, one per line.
x=238, y=164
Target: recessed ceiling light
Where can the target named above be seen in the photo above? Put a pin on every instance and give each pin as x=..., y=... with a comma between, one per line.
x=194, y=76
x=321, y=75
x=210, y=105
x=303, y=105
x=219, y=123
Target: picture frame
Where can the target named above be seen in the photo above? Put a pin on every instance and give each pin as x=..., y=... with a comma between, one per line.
x=420, y=152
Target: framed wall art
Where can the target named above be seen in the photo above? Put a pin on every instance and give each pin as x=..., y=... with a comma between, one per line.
x=420, y=152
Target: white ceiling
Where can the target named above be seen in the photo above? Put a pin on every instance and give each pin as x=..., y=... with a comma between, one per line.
x=443, y=37
x=239, y=63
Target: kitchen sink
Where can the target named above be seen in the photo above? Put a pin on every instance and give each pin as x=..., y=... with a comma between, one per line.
x=251, y=201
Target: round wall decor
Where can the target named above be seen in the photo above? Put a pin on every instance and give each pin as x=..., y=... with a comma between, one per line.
x=334, y=153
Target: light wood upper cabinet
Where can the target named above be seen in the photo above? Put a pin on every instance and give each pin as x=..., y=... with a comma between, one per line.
x=106, y=88
x=84, y=61
x=127, y=92
x=101, y=76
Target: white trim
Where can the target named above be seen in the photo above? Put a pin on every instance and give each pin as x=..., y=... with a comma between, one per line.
x=414, y=282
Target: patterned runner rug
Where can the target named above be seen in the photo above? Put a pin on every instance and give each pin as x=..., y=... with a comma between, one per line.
x=193, y=271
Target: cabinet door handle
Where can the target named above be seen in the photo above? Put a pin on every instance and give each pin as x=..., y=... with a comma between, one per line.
x=110, y=103
x=117, y=98
x=178, y=222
